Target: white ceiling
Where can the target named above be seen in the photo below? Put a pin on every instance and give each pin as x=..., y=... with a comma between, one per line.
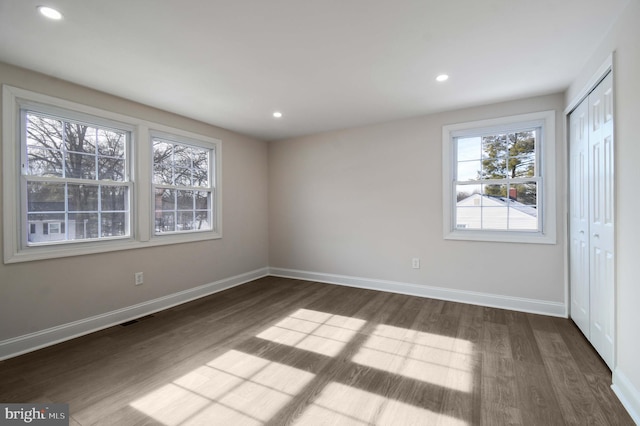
x=326, y=64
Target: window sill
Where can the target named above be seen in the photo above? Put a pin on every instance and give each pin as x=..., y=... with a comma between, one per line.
x=82, y=248
x=501, y=237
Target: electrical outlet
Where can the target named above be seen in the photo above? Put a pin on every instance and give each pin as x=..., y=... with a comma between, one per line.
x=139, y=278
x=415, y=263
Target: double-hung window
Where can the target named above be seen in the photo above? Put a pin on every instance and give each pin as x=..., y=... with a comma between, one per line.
x=499, y=179
x=75, y=178
x=183, y=185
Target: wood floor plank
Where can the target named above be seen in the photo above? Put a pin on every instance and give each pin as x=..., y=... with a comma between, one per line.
x=523, y=343
x=537, y=399
x=576, y=401
x=280, y=351
x=496, y=316
x=601, y=387
x=495, y=339
x=581, y=350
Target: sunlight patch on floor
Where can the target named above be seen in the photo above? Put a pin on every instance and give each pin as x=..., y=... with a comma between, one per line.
x=340, y=404
x=431, y=358
x=235, y=388
x=314, y=331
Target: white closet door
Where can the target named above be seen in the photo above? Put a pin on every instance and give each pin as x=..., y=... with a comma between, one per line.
x=579, y=216
x=601, y=214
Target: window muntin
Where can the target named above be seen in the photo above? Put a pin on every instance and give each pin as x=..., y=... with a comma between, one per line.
x=183, y=186
x=75, y=179
x=497, y=181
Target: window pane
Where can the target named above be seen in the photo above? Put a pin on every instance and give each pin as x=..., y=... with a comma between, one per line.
x=79, y=138
x=494, y=154
x=114, y=224
x=466, y=194
x=468, y=207
x=469, y=170
x=202, y=200
x=494, y=168
x=111, y=143
x=185, y=200
x=494, y=146
x=200, y=178
x=43, y=132
x=165, y=199
x=111, y=169
x=182, y=156
x=84, y=225
x=182, y=176
x=468, y=217
x=44, y=162
x=162, y=162
x=80, y=166
x=162, y=174
x=45, y=197
x=114, y=198
x=162, y=152
x=165, y=222
x=526, y=193
x=82, y=197
x=469, y=149
x=185, y=221
x=200, y=167
x=522, y=143
x=522, y=166
x=495, y=203
x=202, y=221
x=494, y=217
x=494, y=192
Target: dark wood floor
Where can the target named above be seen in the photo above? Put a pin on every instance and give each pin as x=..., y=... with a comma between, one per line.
x=279, y=351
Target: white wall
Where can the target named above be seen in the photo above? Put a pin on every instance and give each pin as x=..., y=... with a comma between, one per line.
x=362, y=202
x=624, y=39
x=42, y=294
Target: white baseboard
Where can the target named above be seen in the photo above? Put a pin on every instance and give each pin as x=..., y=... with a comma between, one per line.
x=627, y=393
x=30, y=342
x=483, y=299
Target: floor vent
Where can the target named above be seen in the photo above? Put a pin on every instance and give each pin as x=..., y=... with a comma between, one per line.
x=124, y=324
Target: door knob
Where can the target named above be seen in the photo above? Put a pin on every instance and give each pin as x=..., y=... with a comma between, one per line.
x=596, y=235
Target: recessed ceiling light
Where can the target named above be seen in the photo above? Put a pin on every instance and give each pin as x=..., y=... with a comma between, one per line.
x=442, y=77
x=49, y=12
x=277, y=114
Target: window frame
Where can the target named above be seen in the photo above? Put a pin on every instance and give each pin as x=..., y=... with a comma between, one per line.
x=140, y=169
x=214, y=177
x=546, y=178
x=75, y=117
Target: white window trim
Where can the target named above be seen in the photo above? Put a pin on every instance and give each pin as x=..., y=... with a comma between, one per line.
x=188, y=138
x=13, y=99
x=546, y=154
x=73, y=115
